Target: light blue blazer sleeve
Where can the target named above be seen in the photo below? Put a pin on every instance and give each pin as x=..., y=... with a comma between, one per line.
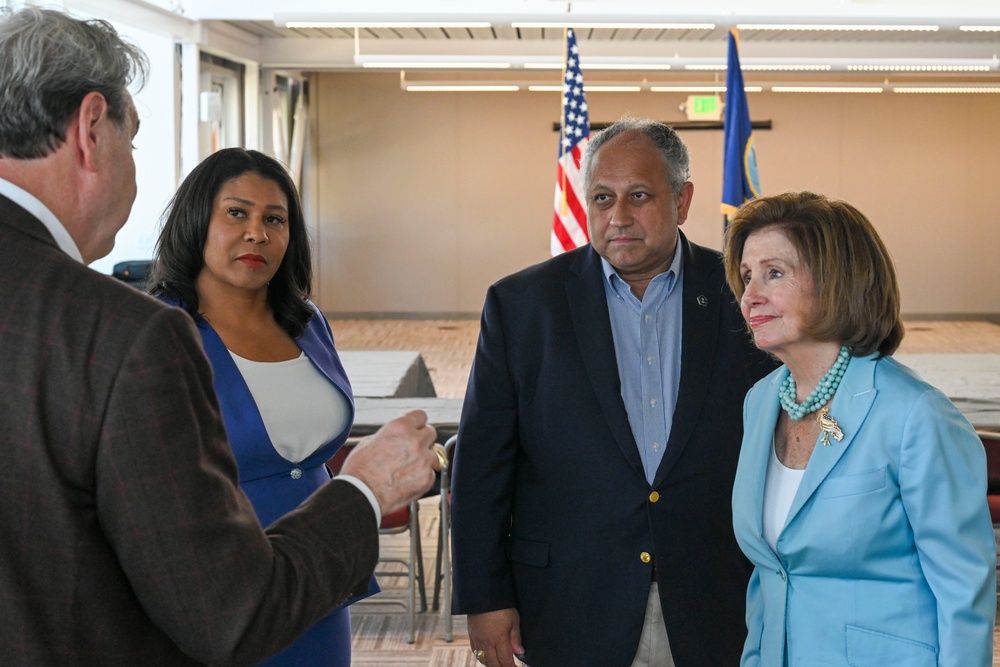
x=887, y=556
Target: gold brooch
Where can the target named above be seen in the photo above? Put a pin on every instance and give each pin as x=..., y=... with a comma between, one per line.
x=829, y=426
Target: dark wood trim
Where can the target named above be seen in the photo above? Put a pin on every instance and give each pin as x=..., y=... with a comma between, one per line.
x=684, y=125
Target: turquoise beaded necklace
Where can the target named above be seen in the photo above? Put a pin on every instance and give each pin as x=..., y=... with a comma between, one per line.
x=823, y=392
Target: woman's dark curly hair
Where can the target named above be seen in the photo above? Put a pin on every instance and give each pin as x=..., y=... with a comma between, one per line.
x=180, y=250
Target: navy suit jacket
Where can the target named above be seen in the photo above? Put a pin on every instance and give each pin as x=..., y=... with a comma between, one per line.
x=552, y=511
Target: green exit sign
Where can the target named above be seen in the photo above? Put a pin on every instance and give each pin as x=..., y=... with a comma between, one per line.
x=705, y=104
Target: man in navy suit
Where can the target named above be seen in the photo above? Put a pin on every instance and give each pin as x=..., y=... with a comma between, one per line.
x=600, y=434
x=126, y=539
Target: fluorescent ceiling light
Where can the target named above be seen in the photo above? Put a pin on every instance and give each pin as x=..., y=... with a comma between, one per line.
x=698, y=64
x=388, y=24
x=826, y=89
x=842, y=26
x=611, y=89
x=946, y=89
x=688, y=89
x=700, y=89
x=623, y=66
x=416, y=64
x=918, y=68
x=980, y=28
x=763, y=68
x=429, y=62
x=929, y=65
x=586, y=89
x=786, y=68
x=460, y=89
x=582, y=24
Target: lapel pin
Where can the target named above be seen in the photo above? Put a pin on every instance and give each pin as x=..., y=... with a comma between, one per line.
x=702, y=300
x=829, y=426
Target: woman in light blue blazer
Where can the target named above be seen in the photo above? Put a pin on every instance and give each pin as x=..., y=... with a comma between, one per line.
x=234, y=253
x=860, y=496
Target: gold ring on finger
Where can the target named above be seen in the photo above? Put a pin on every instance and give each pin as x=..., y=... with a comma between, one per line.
x=442, y=457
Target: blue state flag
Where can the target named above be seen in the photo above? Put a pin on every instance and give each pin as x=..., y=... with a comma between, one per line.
x=740, y=181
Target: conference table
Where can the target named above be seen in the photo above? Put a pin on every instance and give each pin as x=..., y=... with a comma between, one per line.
x=389, y=383
x=387, y=373
x=971, y=381
x=371, y=413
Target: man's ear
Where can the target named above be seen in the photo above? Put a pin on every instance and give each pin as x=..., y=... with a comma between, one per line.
x=684, y=202
x=88, y=127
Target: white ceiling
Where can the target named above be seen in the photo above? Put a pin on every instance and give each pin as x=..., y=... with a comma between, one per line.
x=254, y=30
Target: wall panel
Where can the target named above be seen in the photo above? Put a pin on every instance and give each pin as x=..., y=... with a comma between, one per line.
x=425, y=199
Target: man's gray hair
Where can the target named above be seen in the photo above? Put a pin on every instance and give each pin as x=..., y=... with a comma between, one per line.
x=49, y=61
x=675, y=154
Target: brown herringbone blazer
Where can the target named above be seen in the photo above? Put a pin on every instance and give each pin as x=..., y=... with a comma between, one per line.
x=124, y=539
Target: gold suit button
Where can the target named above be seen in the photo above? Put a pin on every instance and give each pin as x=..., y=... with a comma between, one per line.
x=645, y=557
x=654, y=496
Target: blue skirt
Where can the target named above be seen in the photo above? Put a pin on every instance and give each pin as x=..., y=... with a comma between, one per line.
x=326, y=644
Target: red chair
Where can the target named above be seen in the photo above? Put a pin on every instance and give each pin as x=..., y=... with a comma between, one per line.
x=400, y=521
x=991, y=442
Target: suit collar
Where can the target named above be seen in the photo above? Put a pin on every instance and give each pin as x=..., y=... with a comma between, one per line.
x=702, y=307
x=35, y=210
x=702, y=310
x=17, y=217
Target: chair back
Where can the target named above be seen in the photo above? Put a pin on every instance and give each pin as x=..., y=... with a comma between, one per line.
x=392, y=522
x=336, y=461
x=133, y=272
x=991, y=443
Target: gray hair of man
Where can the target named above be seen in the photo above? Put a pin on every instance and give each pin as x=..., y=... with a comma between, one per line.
x=50, y=61
x=676, y=158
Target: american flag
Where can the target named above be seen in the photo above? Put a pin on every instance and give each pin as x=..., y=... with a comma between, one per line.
x=569, y=229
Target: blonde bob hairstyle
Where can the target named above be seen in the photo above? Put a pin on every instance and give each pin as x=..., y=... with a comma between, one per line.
x=857, y=292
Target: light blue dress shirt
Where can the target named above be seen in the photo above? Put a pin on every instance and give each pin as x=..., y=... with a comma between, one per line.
x=647, y=337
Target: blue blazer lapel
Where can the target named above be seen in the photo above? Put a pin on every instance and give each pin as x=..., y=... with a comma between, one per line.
x=758, y=441
x=702, y=304
x=239, y=411
x=317, y=344
x=592, y=326
x=850, y=407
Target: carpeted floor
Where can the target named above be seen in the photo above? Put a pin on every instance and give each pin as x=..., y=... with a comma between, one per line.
x=448, y=346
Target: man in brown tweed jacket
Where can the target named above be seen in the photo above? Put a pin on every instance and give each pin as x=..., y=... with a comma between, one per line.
x=124, y=539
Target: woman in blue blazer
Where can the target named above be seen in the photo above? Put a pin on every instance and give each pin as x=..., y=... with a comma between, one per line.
x=860, y=496
x=234, y=253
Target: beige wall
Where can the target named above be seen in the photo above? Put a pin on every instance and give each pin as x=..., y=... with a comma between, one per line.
x=424, y=199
